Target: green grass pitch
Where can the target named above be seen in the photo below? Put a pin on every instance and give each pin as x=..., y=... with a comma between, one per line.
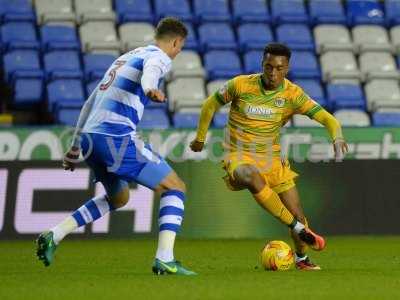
x=353, y=268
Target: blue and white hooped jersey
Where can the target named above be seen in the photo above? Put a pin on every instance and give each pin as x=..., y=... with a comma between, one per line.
x=120, y=99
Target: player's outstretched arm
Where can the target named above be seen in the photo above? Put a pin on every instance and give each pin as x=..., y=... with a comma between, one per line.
x=210, y=106
x=335, y=132
x=70, y=158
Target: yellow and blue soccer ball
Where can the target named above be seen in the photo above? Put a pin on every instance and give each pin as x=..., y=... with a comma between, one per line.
x=277, y=256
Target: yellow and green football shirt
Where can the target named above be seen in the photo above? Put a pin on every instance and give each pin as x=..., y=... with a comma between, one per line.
x=257, y=115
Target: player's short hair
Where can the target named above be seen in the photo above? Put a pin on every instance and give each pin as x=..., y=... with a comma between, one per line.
x=277, y=49
x=170, y=28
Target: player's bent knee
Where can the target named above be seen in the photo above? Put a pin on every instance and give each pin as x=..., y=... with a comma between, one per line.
x=180, y=185
x=172, y=182
x=250, y=177
x=120, y=199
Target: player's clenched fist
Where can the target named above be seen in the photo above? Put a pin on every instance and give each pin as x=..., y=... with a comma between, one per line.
x=196, y=146
x=70, y=158
x=156, y=95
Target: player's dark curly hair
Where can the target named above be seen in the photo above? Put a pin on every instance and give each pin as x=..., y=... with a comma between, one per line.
x=170, y=27
x=277, y=49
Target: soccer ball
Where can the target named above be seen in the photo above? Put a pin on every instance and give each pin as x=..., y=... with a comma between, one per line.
x=277, y=256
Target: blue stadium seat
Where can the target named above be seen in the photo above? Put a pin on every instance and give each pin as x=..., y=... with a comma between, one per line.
x=216, y=36
x=55, y=37
x=253, y=62
x=95, y=65
x=386, y=119
x=220, y=119
x=191, y=40
x=19, y=35
x=91, y=86
x=314, y=89
x=296, y=36
x=68, y=115
x=155, y=118
x=22, y=64
x=64, y=93
x=28, y=91
x=16, y=11
x=254, y=36
x=346, y=96
x=222, y=64
x=304, y=64
x=185, y=120
x=175, y=8
x=246, y=11
x=289, y=11
x=62, y=64
x=392, y=12
x=134, y=11
x=211, y=11
x=329, y=12
x=364, y=12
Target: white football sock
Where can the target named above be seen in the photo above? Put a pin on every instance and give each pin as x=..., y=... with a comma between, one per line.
x=300, y=258
x=298, y=227
x=169, y=221
x=166, y=241
x=63, y=228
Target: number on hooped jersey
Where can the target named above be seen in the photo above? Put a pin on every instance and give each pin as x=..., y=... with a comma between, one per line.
x=112, y=73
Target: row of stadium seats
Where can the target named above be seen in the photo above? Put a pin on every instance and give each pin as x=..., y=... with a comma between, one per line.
x=103, y=37
x=350, y=12
x=337, y=66
x=373, y=63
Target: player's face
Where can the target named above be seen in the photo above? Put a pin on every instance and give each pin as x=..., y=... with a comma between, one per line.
x=275, y=69
x=177, y=46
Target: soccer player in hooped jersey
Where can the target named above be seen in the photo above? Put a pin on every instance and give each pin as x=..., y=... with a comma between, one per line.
x=106, y=135
x=260, y=105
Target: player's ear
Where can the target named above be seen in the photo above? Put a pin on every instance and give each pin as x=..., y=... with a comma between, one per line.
x=175, y=42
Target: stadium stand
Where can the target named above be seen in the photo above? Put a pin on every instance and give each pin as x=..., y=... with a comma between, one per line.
x=289, y=11
x=331, y=37
x=62, y=65
x=55, y=12
x=187, y=63
x=56, y=37
x=211, y=11
x=352, y=118
x=304, y=64
x=364, y=12
x=177, y=8
x=222, y=64
x=249, y=11
x=16, y=11
x=134, y=11
x=346, y=53
x=216, y=36
x=326, y=12
x=95, y=65
x=343, y=96
x=254, y=36
x=371, y=38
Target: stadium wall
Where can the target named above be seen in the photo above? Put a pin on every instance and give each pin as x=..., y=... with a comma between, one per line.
x=356, y=196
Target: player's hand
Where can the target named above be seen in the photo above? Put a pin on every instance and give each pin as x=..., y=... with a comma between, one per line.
x=71, y=158
x=156, y=95
x=196, y=146
x=341, y=148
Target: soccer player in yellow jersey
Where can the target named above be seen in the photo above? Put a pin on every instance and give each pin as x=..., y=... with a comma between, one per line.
x=260, y=105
